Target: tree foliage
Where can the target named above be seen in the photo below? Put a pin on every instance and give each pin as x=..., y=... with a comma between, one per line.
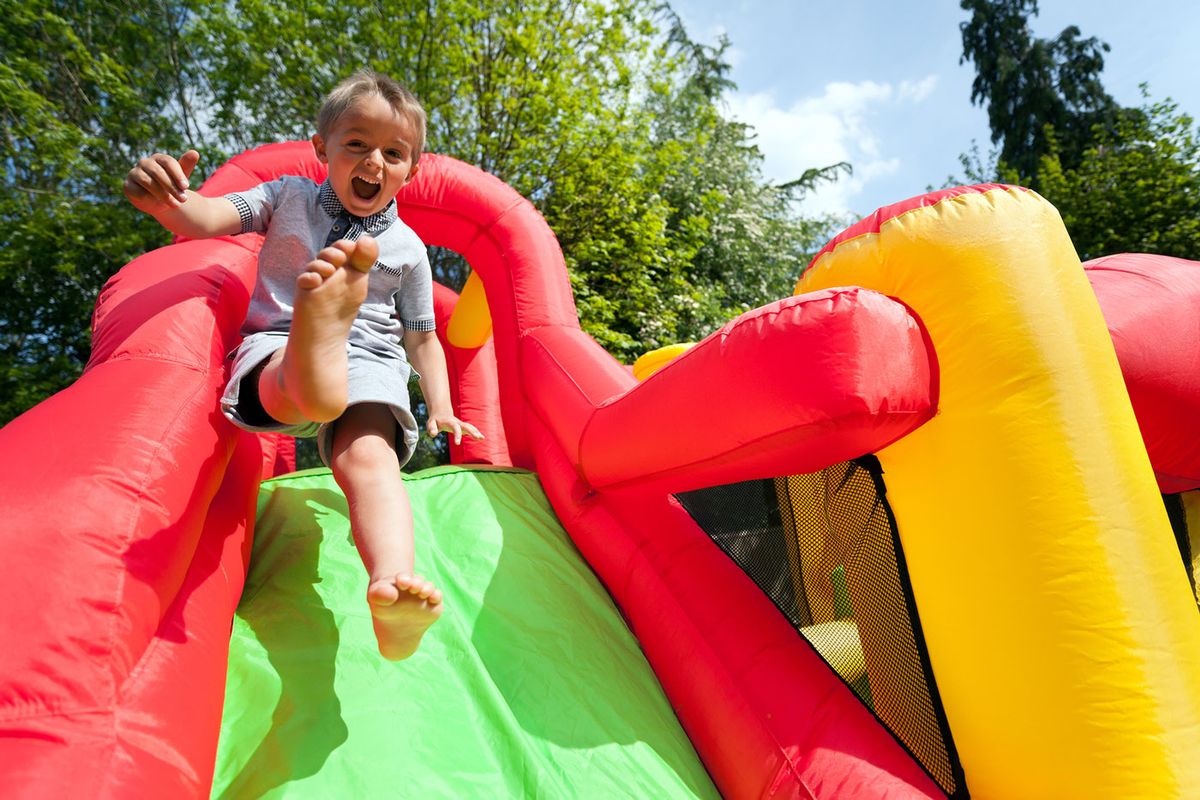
x=602, y=112
x=1030, y=84
x=82, y=88
x=1136, y=189
x=1124, y=179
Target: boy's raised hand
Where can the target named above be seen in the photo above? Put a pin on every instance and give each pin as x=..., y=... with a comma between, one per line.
x=159, y=182
x=452, y=425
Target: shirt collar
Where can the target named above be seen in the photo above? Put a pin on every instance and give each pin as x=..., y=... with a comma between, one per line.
x=371, y=224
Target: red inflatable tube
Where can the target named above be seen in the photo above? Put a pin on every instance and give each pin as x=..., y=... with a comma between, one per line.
x=747, y=689
x=794, y=386
x=1149, y=303
x=129, y=499
x=474, y=390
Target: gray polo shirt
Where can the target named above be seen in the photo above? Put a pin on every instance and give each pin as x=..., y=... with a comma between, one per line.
x=300, y=218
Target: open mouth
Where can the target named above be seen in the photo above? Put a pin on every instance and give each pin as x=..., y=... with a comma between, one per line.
x=364, y=189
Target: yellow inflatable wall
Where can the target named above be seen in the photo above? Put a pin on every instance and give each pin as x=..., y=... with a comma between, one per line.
x=1063, y=636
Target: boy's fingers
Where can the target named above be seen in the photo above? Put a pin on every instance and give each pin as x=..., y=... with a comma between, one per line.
x=157, y=181
x=176, y=180
x=188, y=161
x=143, y=179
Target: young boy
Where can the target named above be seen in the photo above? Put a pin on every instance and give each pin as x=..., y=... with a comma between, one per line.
x=321, y=352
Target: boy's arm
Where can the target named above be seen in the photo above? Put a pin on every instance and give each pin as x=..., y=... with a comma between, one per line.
x=158, y=185
x=426, y=355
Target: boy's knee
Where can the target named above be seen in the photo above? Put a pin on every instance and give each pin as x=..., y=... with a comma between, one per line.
x=363, y=454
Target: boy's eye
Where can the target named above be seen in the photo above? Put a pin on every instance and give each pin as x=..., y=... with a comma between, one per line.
x=396, y=154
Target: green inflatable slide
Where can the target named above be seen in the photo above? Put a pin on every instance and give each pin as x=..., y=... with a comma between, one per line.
x=530, y=685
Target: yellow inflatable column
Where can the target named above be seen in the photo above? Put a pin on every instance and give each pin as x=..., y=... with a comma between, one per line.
x=470, y=323
x=1063, y=636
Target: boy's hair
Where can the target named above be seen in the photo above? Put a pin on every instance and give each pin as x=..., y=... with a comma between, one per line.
x=367, y=82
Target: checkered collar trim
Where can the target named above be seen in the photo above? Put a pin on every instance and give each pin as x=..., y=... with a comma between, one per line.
x=375, y=223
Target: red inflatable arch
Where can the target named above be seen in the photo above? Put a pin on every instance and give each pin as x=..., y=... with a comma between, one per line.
x=129, y=499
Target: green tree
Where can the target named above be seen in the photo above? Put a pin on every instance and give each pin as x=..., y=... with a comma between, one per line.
x=82, y=88
x=740, y=236
x=1136, y=189
x=1032, y=85
x=604, y=114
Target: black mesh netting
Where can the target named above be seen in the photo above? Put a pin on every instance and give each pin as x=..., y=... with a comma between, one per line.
x=1185, y=537
x=823, y=547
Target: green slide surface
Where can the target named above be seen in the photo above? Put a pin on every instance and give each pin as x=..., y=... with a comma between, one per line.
x=529, y=686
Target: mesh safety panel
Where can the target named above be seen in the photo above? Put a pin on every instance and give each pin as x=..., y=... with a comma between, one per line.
x=823, y=547
x=1183, y=510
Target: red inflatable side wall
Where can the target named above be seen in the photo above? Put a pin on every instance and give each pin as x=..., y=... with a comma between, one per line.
x=129, y=500
x=1149, y=303
x=129, y=497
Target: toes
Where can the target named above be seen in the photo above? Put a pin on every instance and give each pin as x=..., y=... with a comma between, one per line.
x=421, y=587
x=308, y=280
x=365, y=252
x=382, y=593
x=418, y=587
x=315, y=273
x=337, y=253
x=322, y=267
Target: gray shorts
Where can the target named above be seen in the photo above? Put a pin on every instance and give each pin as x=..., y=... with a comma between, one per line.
x=373, y=378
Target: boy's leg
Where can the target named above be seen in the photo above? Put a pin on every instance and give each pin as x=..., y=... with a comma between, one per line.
x=365, y=465
x=306, y=380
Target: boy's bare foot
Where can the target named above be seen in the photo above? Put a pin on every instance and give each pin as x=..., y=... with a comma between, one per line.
x=328, y=295
x=402, y=609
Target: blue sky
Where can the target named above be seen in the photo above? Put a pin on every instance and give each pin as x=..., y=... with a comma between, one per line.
x=878, y=83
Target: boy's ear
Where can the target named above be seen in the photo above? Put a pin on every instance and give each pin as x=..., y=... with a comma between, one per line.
x=412, y=173
x=319, y=145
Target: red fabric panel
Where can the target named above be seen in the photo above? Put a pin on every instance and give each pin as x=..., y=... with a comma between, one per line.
x=133, y=484
x=765, y=712
x=108, y=493
x=474, y=390
x=1150, y=303
x=170, y=711
x=791, y=387
x=767, y=715
x=569, y=375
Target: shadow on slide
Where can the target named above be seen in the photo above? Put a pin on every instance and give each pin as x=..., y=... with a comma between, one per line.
x=530, y=685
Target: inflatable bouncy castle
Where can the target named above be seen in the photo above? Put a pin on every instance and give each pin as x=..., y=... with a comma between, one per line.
x=925, y=529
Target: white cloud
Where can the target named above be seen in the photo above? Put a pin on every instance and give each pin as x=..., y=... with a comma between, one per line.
x=916, y=91
x=839, y=125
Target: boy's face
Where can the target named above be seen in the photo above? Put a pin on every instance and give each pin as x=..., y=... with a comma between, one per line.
x=370, y=153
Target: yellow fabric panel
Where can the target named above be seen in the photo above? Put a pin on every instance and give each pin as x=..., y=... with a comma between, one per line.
x=791, y=538
x=649, y=363
x=838, y=644
x=470, y=323
x=1064, y=641
x=813, y=551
